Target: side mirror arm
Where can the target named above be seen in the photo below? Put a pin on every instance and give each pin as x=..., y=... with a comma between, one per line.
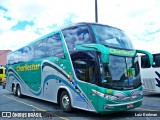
x=98, y=48
x=148, y=54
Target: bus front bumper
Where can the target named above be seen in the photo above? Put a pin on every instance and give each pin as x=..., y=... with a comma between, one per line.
x=110, y=108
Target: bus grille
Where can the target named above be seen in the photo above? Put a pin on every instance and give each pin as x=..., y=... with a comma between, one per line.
x=149, y=84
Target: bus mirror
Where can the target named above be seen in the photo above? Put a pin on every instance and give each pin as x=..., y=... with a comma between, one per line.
x=148, y=54
x=96, y=47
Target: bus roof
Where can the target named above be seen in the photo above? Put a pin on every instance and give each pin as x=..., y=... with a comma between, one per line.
x=85, y=23
x=60, y=29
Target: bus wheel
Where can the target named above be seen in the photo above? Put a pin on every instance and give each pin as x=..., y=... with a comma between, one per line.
x=19, y=91
x=14, y=90
x=65, y=102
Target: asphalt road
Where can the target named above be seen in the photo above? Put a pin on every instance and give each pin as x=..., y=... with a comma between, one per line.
x=9, y=102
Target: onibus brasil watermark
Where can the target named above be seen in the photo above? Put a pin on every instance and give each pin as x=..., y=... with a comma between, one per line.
x=21, y=114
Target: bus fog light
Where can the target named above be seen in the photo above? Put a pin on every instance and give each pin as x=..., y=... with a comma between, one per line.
x=106, y=107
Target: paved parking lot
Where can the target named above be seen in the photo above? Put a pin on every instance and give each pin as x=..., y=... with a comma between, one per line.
x=9, y=102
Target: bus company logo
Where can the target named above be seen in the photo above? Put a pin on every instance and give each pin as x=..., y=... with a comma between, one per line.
x=28, y=67
x=121, y=52
x=135, y=94
x=6, y=114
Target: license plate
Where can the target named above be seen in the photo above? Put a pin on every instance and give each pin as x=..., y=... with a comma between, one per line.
x=129, y=105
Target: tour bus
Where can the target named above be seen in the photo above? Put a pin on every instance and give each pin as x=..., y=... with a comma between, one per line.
x=2, y=74
x=88, y=66
x=150, y=74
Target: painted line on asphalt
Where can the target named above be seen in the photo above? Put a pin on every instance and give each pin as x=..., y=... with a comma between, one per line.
x=145, y=109
x=35, y=107
x=151, y=98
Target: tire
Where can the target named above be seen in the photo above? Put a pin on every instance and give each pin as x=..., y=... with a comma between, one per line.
x=19, y=94
x=14, y=90
x=65, y=102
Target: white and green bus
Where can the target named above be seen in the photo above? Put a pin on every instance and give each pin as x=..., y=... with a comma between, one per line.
x=88, y=66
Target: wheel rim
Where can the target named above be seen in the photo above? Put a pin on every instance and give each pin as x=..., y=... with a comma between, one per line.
x=14, y=90
x=18, y=92
x=65, y=101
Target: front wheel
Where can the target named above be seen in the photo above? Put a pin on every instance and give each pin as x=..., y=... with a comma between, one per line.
x=65, y=102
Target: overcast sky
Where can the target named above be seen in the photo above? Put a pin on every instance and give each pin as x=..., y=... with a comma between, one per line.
x=22, y=21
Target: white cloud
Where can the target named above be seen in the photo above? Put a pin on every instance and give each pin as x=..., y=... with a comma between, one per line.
x=4, y=23
x=151, y=46
x=15, y=39
x=44, y=14
x=138, y=18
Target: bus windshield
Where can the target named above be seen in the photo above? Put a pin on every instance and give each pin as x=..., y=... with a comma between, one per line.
x=111, y=37
x=121, y=73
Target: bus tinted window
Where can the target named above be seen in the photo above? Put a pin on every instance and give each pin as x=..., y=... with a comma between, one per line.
x=21, y=55
x=50, y=46
x=76, y=35
x=10, y=59
x=84, y=64
x=145, y=62
x=16, y=57
x=156, y=60
x=29, y=52
x=40, y=49
x=54, y=46
x=111, y=36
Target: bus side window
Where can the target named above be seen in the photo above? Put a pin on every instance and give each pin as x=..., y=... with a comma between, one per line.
x=145, y=62
x=85, y=70
x=156, y=60
x=80, y=67
x=29, y=52
x=85, y=66
x=76, y=35
x=40, y=49
x=54, y=46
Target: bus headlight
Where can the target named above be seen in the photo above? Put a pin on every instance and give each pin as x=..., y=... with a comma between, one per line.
x=110, y=97
x=106, y=96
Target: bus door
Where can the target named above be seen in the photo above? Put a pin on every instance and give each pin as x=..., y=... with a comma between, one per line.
x=85, y=70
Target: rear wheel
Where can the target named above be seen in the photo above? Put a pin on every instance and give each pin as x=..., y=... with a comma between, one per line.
x=14, y=90
x=65, y=102
x=19, y=94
